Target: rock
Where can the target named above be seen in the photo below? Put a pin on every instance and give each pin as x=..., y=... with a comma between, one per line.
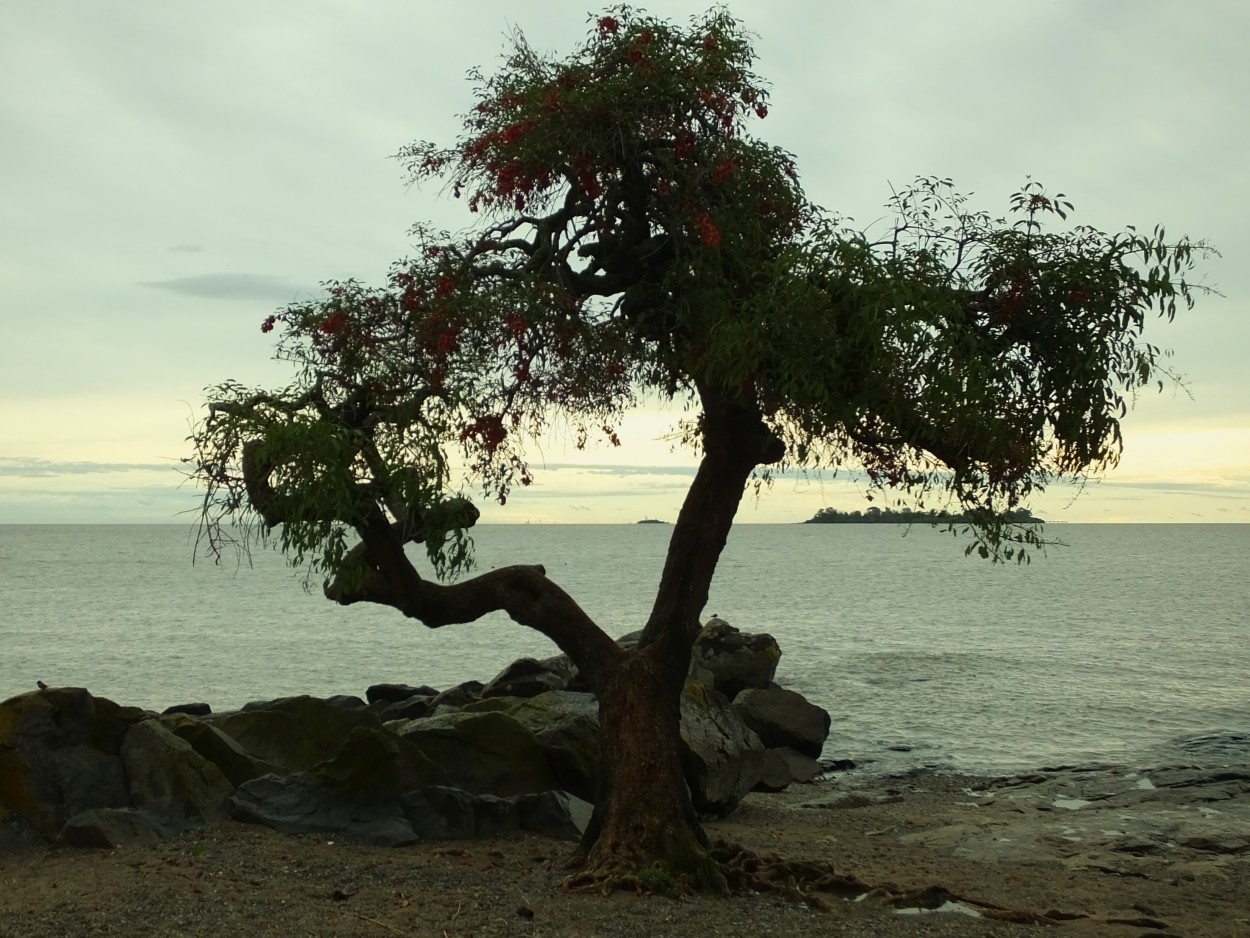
x=110, y=828
x=566, y=726
x=486, y=752
x=784, y=718
x=440, y=813
x=393, y=693
x=192, y=709
x=721, y=757
x=346, y=701
x=445, y=813
x=461, y=694
x=298, y=804
x=170, y=780
x=295, y=733
x=783, y=766
x=556, y=814
x=60, y=755
x=357, y=794
x=218, y=748
x=374, y=766
x=528, y=677
x=493, y=816
x=1108, y=819
x=413, y=708
x=730, y=661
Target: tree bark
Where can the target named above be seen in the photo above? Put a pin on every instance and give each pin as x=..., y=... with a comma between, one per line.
x=644, y=815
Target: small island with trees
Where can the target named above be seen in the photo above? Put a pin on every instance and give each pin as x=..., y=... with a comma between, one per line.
x=875, y=515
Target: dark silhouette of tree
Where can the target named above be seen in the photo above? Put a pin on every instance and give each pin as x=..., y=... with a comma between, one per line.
x=634, y=241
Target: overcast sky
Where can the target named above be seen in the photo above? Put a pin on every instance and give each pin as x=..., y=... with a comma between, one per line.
x=172, y=172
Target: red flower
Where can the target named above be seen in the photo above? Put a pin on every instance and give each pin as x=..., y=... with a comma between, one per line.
x=446, y=343
x=708, y=230
x=725, y=169
x=609, y=25
x=445, y=285
x=334, y=323
x=267, y=325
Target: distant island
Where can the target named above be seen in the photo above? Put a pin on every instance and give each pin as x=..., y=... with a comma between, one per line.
x=650, y=521
x=876, y=515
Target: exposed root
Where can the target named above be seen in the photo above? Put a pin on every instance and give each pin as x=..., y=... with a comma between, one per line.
x=744, y=872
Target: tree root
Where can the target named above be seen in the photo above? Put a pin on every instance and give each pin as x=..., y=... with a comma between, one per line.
x=816, y=884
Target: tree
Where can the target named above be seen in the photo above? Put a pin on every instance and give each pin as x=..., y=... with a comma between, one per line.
x=634, y=241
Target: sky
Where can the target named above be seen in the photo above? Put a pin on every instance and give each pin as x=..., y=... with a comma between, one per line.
x=172, y=173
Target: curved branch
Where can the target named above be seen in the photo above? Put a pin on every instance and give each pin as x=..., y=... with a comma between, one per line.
x=378, y=571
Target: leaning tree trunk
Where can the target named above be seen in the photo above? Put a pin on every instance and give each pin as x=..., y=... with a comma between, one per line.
x=644, y=815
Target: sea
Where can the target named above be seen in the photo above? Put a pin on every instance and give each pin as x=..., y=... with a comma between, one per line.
x=1122, y=644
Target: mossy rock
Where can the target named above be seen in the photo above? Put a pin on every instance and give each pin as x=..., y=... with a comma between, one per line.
x=60, y=755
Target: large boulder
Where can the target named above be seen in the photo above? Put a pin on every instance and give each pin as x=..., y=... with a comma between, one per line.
x=357, y=794
x=730, y=661
x=566, y=726
x=169, y=780
x=529, y=677
x=60, y=755
x=300, y=804
x=721, y=757
x=293, y=733
x=783, y=718
x=482, y=752
x=210, y=742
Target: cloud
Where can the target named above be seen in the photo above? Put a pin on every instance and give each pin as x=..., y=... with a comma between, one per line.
x=32, y=468
x=226, y=286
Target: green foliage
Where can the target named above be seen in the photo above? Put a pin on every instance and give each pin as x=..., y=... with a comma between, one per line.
x=633, y=241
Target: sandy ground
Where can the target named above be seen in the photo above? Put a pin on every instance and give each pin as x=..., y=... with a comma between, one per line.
x=246, y=880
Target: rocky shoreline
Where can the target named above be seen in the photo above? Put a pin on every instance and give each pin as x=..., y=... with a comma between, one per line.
x=403, y=765
x=414, y=811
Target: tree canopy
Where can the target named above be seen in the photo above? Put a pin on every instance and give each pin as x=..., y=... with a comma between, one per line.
x=633, y=241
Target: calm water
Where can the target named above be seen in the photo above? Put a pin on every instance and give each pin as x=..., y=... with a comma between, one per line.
x=1128, y=644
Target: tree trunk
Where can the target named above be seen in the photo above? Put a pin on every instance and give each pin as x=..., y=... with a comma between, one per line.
x=644, y=816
